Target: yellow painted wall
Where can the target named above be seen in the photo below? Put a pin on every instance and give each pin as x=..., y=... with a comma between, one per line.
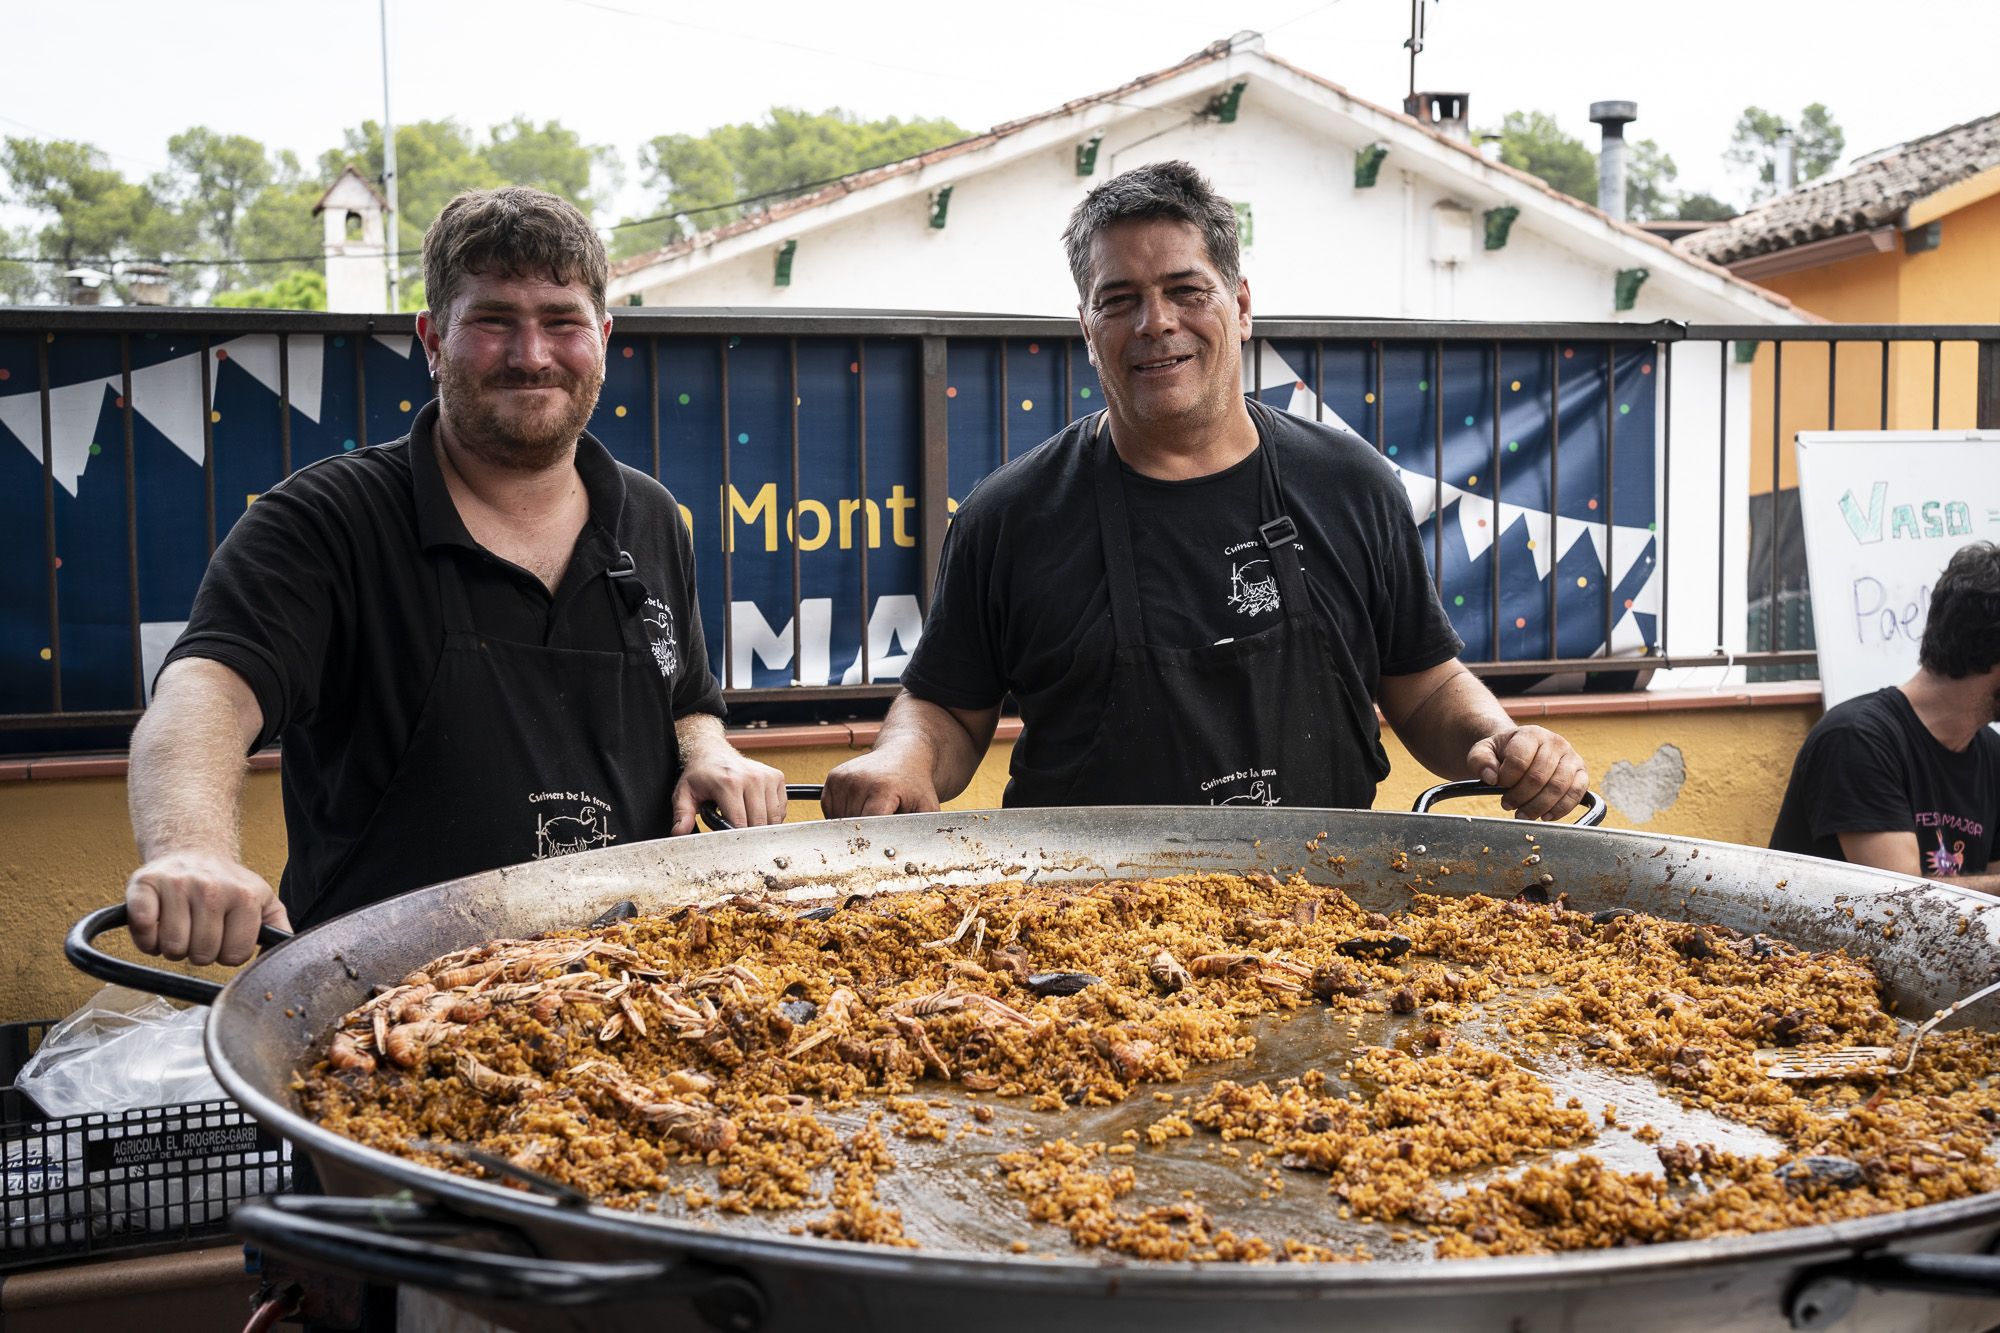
x=68, y=845
x=1957, y=283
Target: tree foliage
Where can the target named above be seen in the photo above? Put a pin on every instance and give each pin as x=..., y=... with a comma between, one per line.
x=1699, y=207
x=237, y=218
x=1649, y=182
x=699, y=177
x=94, y=215
x=301, y=289
x=1534, y=143
x=1817, y=143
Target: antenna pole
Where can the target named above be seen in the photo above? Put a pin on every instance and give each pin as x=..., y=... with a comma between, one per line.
x=389, y=166
x=1416, y=45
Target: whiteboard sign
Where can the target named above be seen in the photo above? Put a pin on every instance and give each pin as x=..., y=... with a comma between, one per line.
x=1883, y=513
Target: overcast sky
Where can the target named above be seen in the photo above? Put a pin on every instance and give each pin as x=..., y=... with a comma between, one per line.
x=124, y=75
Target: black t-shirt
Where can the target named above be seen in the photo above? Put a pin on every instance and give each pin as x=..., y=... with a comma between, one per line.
x=1200, y=537
x=324, y=597
x=1021, y=605
x=1872, y=766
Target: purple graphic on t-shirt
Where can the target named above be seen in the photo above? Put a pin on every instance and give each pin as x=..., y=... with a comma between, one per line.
x=1945, y=861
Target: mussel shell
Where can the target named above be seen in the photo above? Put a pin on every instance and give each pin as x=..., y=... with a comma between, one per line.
x=1534, y=893
x=820, y=913
x=1378, y=946
x=1610, y=914
x=612, y=915
x=799, y=1011
x=1838, y=1172
x=1060, y=983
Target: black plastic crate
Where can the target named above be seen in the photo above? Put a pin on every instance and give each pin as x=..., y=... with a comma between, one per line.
x=121, y=1180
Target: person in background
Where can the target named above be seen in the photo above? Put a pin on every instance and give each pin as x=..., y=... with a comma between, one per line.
x=1193, y=598
x=1908, y=778
x=478, y=644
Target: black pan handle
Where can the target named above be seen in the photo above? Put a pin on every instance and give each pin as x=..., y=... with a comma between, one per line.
x=85, y=957
x=1823, y=1296
x=712, y=820
x=399, y=1240
x=1592, y=804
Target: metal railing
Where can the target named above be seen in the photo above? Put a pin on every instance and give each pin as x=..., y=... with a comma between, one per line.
x=932, y=402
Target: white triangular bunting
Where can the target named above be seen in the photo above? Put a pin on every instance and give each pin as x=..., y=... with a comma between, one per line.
x=73, y=413
x=1631, y=544
x=257, y=355
x=402, y=344
x=1625, y=636
x=1475, y=525
x=1570, y=530
x=308, y=357
x=1420, y=490
x=21, y=414
x=168, y=396
x=1305, y=404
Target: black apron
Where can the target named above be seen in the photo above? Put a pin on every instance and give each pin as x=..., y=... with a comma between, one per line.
x=1262, y=719
x=521, y=752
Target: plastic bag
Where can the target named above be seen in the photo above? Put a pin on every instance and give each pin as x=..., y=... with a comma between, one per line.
x=156, y=1174
x=123, y=1051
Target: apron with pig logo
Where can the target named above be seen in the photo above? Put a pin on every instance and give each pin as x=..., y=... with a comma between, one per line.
x=522, y=752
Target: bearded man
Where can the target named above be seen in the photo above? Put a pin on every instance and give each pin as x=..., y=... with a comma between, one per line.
x=478, y=644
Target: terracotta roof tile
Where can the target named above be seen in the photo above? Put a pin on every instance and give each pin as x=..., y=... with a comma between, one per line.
x=1872, y=195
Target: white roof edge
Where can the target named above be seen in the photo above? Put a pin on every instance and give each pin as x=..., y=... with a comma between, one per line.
x=1593, y=232
x=1055, y=127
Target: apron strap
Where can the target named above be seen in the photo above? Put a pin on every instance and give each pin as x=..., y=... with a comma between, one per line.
x=1115, y=533
x=1280, y=534
x=628, y=600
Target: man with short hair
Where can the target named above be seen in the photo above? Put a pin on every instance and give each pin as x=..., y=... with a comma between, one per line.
x=479, y=643
x=1908, y=778
x=1193, y=598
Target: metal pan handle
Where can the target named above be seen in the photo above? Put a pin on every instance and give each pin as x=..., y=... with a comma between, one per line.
x=712, y=820
x=1822, y=1297
x=85, y=957
x=1592, y=804
x=398, y=1240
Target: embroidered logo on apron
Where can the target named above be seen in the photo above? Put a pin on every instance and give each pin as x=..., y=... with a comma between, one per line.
x=1246, y=786
x=1253, y=588
x=575, y=821
x=659, y=623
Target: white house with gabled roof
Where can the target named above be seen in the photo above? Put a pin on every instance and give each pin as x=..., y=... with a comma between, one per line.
x=1349, y=209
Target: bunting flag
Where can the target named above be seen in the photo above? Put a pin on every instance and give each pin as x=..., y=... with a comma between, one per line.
x=73, y=412
x=1483, y=524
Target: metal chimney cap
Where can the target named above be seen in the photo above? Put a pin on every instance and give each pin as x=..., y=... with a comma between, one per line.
x=1614, y=116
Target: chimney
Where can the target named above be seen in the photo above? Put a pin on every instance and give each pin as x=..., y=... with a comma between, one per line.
x=1612, y=118
x=85, y=286
x=1447, y=113
x=145, y=283
x=1785, y=170
x=1489, y=147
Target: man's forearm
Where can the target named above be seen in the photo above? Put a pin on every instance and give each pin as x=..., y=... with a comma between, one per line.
x=936, y=738
x=1442, y=727
x=696, y=734
x=187, y=764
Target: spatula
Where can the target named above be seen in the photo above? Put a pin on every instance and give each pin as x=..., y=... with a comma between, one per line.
x=1860, y=1061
